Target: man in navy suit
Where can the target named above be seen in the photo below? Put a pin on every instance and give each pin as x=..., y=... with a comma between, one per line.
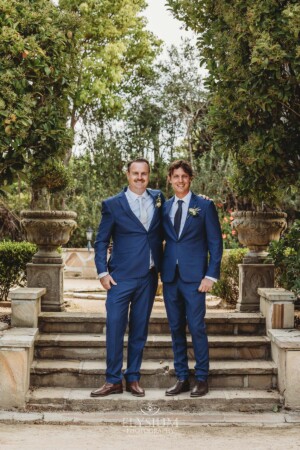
x=192, y=230
x=132, y=220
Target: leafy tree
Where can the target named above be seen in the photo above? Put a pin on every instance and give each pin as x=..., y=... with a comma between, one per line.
x=62, y=63
x=97, y=175
x=286, y=256
x=251, y=50
x=36, y=45
x=113, y=46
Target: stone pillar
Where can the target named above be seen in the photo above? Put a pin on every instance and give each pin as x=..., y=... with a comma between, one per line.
x=26, y=306
x=49, y=276
x=16, y=356
x=252, y=277
x=277, y=305
x=285, y=346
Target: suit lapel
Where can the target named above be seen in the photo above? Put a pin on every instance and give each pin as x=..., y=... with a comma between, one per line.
x=125, y=205
x=189, y=218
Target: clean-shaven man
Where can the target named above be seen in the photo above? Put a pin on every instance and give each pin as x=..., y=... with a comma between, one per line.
x=192, y=230
x=132, y=220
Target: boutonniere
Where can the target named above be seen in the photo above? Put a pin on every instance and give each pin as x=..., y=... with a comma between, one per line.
x=194, y=212
x=158, y=201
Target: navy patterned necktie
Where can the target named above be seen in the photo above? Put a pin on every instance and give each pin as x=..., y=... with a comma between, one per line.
x=177, y=217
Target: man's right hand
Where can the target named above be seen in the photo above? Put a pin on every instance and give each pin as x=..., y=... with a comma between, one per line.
x=107, y=281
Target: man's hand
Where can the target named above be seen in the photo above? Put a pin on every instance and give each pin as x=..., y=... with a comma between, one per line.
x=205, y=285
x=107, y=282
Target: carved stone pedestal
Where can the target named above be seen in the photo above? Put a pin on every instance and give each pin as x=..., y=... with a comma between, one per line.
x=48, y=230
x=49, y=276
x=252, y=277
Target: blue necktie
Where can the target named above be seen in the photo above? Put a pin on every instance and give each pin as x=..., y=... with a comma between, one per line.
x=177, y=217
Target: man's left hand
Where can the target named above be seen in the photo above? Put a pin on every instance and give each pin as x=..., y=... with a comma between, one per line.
x=205, y=285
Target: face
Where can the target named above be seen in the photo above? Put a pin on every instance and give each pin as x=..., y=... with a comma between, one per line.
x=181, y=182
x=138, y=177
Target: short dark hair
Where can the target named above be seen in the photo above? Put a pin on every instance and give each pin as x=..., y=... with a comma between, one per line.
x=138, y=160
x=184, y=165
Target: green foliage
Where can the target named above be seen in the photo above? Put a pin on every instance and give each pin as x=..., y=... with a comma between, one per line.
x=228, y=286
x=251, y=50
x=228, y=234
x=286, y=256
x=61, y=64
x=113, y=46
x=96, y=177
x=13, y=259
x=36, y=78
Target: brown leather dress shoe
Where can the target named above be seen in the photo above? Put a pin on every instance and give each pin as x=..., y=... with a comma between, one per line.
x=135, y=389
x=200, y=389
x=108, y=389
x=180, y=386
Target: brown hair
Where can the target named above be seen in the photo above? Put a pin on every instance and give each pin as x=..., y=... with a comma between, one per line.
x=138, y=160
x=184, y=165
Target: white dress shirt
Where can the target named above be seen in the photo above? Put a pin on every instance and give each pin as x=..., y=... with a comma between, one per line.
x=185, y=207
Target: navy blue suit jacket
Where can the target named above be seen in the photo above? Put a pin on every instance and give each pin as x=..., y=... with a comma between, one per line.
x=130, y=256
x=201, y=235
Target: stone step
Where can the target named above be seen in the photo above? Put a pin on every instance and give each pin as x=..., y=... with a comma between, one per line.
x=155, y=403
x=224, y=323
x=93, y=346
x=254, y=374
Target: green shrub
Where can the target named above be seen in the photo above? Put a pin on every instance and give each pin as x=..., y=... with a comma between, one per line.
x=228, y=286
x=13, y=259
x=286, y=256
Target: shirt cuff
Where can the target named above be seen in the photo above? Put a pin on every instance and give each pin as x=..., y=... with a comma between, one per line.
x=102, y=274
x=211, y=278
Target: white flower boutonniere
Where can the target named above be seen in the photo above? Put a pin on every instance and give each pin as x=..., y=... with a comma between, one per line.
x=158, y=201
x=194, y=212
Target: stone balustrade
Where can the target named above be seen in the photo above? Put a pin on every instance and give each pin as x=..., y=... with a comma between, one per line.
x=17, y=346
x=26, y=306
x=277, y=305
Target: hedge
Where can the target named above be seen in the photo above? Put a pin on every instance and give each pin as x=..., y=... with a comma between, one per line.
x=13, y=259
x=228, y=285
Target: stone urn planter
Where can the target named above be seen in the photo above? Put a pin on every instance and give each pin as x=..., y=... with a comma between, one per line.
x=256, y=230
x=48, y=230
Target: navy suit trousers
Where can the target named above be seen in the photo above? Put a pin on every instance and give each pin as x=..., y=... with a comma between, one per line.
x=186, y=305
x=129, y=302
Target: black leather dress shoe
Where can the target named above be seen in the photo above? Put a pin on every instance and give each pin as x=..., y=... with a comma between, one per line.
x=107, y=389
x=135, y=389
x=180, y=386
x=200, y=389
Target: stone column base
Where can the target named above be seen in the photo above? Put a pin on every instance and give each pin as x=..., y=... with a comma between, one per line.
x=277, y=305
x=49, y=276
x=26, y=306
x=252, y=277
x=16, y=356
x=285, y=346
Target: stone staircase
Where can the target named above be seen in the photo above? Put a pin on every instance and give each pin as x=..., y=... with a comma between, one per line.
x=70, y=362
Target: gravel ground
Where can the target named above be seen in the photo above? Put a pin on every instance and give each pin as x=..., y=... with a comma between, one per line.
x=50, y=437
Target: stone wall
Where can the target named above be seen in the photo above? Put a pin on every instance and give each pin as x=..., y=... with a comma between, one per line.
x=79, y=263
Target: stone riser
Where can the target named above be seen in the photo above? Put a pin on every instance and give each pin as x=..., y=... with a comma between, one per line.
x=216, y=400
x=160, y=353
x=154, y=380
x=243, y=329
